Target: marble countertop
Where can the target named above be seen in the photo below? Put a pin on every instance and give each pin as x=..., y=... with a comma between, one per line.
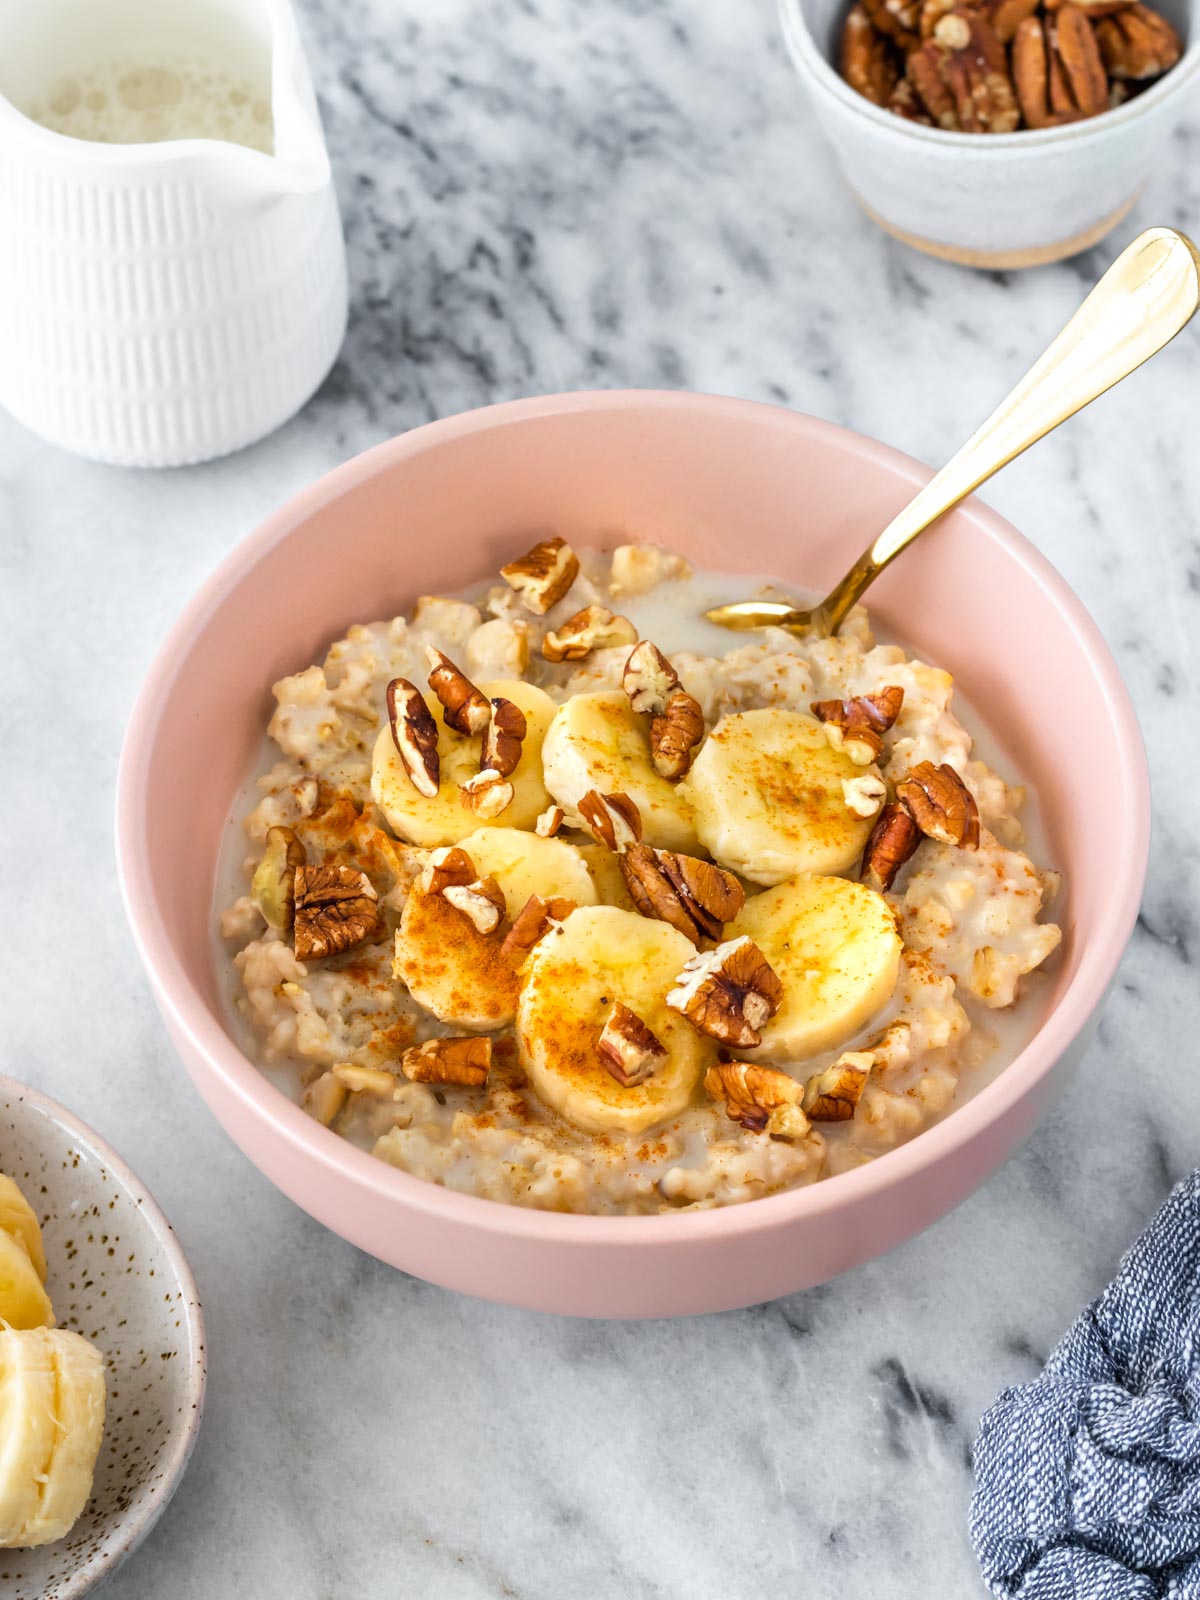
x=541, y=196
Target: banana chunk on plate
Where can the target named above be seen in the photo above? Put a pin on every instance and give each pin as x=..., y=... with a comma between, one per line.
x=463, y=976
x=52, y=1399
x=598, y=741
x=446, y=817
x=599, y=957
x=18, y=1218
x=24, y=1302
x=834, y=946
x=767, y=798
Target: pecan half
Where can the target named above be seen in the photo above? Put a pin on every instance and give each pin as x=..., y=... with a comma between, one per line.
x=336, y=908
x=729, y=993
x=1137, y=43
x=903, y=102
x=628, y=1048
x=414, y=733
x=504, y=737
x=542, y=575
x=611, y=819
x=940, y=804
x=961, y=75
x=448, y=866
x=273, y=886
x=893, y=840
x=461, y=1060
x=593, y=628
x=833, y=1095
x=550, y=821
x=868, y=60
x=648, y=679
x=674, y=734
x=857, y=726
x=1006, y=16
x=464, y=707
x=694, y=896
x=486, y=793
x=864, y=795
x=480, y=901
x=762, y=1099
x=898, y=19
x=1057, y=69
x=534, y=920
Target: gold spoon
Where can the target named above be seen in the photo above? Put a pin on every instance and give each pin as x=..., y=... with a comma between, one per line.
x=1148, y=294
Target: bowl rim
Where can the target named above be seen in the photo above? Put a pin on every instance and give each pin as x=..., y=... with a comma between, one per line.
x=811, y=64
x=133, y=1529
x=188, y=1015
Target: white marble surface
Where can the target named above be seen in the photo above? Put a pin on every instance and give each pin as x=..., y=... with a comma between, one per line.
x=540, y=195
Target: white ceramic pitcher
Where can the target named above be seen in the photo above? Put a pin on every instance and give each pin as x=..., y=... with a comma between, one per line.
x=163, y=303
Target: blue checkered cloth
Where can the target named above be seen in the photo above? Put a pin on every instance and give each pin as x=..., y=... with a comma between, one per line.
x=1087, y=1481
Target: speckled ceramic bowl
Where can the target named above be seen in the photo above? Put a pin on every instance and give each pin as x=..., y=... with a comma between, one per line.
x=118, y=1276
x=731, y=485
x=990, y=200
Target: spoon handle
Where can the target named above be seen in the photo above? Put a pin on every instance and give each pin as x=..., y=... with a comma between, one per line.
x=1148, y=294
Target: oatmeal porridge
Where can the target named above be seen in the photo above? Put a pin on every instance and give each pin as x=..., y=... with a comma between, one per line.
x=560, y=897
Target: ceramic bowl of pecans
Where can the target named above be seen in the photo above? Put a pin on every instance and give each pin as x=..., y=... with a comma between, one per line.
x=995, y=133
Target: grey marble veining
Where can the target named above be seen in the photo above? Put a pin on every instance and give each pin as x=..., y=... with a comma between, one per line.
x=540, y=195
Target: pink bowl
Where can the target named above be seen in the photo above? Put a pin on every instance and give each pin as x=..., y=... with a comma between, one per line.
x=735, y=486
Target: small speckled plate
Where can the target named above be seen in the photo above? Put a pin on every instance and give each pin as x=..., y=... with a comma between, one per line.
x=117, y=1275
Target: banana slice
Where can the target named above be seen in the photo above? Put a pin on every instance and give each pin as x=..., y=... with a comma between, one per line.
x=834, y=946
x=524, y=864
x=24, y=1302
x=598, y=741
x=52, y=1398
x=572, y=981
x=18, y=1218
x=766, y=791
x=445, y=818
x=605, y=868
x=460, y=974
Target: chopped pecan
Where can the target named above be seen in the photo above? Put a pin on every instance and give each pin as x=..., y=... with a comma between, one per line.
x=481, y=902
x=674, y=734
x=693, y=896
x=865, y=794
x=414, y=733
x=898, y=19
x=648, y=679
x=1137, y=43
x=940, y=804
x=365, y=1080
x=857, y=726
x=446, y=866
x=274, y=883
x=464, y=707
x=611, y=819
x=542, y=575
x=486, y=793
x=325, y=1097
x=550, y=821
x=762, y=1099
x=893, y=840
x=534, y=920
x=504, y=737
x=961, y=75
x=460, y=1060
x=868, y=59
x=593, y=628
x=336, y=908
x=628, y=1048
x=833, y=1095
x=729, y=993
